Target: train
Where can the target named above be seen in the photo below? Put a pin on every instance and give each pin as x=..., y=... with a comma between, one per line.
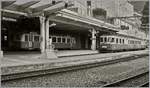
x=27, y=41
x=118, y=42
x=32, y=40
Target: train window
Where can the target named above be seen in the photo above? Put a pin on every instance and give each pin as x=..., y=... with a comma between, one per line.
x=123, y=41
x=109, y=39
x=53, y=39
x=112, y=40
x=105, y=39
x=68, y=40
x=59, y=40
x=63, y=40
x=26, y=38
x=120, y=41
x=36, y=38
x=116, y=40
x=101, y=39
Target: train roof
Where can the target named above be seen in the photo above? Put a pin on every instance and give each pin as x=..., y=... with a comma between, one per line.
x=121, y=35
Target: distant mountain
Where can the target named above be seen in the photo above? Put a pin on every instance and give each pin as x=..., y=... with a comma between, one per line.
x=138, y=5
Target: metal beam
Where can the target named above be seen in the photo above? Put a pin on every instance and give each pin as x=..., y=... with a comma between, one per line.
x=7, y=3
x=40, y=8
x=28, y=4
x=71, y=22
x=14, y=12
x=56, y=7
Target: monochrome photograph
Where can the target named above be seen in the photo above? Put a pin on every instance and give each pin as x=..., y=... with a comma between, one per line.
x=74, y=43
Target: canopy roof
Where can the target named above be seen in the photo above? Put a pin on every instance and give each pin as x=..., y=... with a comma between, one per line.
x=33, y=8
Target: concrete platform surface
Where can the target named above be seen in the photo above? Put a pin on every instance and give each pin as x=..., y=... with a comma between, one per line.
x=64, y=53
x=12, y=64
x=33, y=58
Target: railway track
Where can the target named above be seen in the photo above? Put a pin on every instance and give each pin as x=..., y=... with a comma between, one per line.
x=16, y=76
x=140, y=80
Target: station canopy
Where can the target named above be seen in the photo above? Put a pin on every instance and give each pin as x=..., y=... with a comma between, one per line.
x=31, y=7
x=35, y=8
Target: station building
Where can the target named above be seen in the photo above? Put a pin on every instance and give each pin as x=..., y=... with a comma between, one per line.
x=59, y=24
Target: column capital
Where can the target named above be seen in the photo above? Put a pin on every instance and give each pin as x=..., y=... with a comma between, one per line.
x=42, y=18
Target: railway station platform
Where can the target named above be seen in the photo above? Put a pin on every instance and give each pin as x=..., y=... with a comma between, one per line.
x=12, y=64
x=64, y=53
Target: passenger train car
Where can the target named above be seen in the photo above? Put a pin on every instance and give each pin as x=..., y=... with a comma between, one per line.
x=120, y=43
x=32, y=40
x=27, y=41
x=63, y=42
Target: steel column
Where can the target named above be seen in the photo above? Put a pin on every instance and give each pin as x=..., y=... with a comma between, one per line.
x=93, y=39
x=47, y=33
x=42, y=33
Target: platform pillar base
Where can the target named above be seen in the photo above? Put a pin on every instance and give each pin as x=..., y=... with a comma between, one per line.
x=1, y=54
x=49, y=54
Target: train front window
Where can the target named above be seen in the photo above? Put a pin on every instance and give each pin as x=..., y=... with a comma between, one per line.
x=59, y=40
x=36, y=38
x=53, y=39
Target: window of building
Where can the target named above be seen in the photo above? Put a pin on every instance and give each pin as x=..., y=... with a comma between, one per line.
x=53, y=39
x=88, y=3
x=59, y=40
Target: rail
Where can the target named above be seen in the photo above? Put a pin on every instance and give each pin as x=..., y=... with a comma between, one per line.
x=129, y=81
